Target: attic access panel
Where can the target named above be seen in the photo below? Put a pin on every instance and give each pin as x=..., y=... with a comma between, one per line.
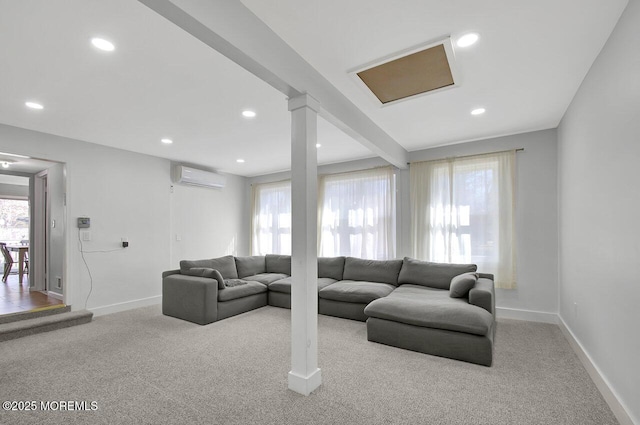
x=417, y=72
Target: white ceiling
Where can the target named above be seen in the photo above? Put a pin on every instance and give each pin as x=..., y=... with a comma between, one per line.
x=161, y=82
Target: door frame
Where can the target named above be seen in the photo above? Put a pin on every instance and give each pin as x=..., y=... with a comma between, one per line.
x=40, y=240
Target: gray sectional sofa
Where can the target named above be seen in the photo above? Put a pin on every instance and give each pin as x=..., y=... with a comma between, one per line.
x=446, y=310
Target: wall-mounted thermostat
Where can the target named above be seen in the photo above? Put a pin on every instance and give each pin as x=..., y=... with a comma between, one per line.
x=84, y=222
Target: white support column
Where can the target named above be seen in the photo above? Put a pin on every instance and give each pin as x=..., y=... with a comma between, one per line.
x=304, y=376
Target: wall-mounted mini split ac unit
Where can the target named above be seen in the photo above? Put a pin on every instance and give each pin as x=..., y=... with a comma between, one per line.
x=194, y=177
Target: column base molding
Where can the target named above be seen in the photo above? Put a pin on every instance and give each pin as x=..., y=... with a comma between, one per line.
x=305, y=385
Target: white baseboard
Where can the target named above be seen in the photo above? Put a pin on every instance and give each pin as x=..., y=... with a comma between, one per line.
x=608, y=393
x=128, y=305
x=55, y=295
x=528, y=315
x=305, y=384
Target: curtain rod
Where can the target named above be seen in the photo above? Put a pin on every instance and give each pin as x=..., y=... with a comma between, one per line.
x=466, y=156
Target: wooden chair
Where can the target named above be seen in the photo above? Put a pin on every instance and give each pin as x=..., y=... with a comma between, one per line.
x=8, y=261
x=25, y=242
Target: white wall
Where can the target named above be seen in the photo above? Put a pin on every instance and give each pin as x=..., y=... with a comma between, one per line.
x=57, y=234
x=208, y=222
x=599, y=153
x=536, y=296
x=126, y=195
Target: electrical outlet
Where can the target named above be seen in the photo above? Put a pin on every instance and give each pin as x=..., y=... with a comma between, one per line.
x=125, y=242
x=86, y=235
x=58, y=282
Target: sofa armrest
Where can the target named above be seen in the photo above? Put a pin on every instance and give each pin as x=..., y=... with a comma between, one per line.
x=483, y=295
x=191, y=298
x=170, y=272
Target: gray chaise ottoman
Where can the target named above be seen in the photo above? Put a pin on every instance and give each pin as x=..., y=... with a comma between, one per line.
x=429, y=321
x=422, y=315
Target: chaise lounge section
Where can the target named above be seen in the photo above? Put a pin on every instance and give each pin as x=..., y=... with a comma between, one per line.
x=441, y=309
x=427, y=314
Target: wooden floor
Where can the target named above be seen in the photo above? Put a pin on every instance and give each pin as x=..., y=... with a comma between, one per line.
x=16, y=297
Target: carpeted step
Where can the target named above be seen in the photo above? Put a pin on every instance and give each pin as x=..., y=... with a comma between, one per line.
x=32, y=314
x=22, y=328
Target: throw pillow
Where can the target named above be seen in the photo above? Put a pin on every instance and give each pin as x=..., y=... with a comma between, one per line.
x=462, y=284
x=206, y=272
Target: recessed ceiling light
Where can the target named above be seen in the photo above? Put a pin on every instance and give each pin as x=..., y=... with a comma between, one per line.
x=240, y=160
x=478, y=111
x=102, y=44
x=5, y=164
x=34, y=105
x=166, y=141
x=318, y=145
x=248, y=114
x=467, y=40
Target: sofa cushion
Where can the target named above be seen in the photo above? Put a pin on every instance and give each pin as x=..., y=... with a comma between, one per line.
x=278, y=264
x=284, y=285
x=249, y=266
x=225, y=265
x=265, y=278
x=434, y=275
x=323, y=282
x=332, y=267
x=431, y=308
x=230, y=283
x=356, y=291
x=385, y=271
x=205, y=272
x=462, y=284
x=241, y=291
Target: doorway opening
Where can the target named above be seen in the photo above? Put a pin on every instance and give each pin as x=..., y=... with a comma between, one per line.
x=31, y=226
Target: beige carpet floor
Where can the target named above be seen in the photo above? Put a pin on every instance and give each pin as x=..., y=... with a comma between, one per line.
x=141, y=367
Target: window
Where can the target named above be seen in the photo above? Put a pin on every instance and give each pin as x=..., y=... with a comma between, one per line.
x=14, y=220
x=357, y=214
x=271, y=221
x=463, y=212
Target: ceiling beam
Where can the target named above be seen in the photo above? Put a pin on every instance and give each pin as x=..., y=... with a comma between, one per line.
x=233, y=30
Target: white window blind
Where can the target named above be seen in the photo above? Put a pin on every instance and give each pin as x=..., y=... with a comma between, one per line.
x=463, y=212
x=357, y=214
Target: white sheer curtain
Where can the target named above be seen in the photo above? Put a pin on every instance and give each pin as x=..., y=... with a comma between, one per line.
x=463, y=212
x=357, y=214
x=271, y=218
